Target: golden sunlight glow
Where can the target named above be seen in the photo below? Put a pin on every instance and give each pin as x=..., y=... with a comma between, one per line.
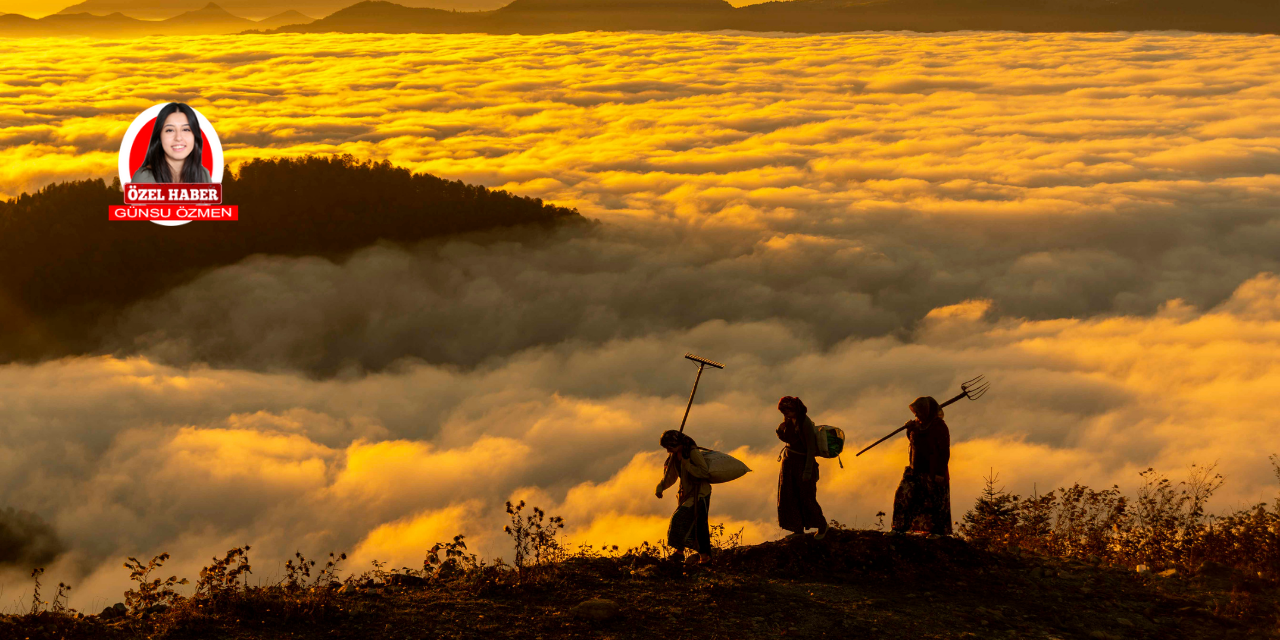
x=749, y=131
x=798, y=148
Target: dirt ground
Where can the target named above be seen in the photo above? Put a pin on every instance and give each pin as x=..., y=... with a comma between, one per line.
x=854, y=584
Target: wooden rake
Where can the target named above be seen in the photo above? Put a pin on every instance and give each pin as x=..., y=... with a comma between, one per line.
x=702, y=362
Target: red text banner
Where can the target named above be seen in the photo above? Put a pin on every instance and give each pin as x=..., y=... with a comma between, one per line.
x=177, y=213
x=160, y=194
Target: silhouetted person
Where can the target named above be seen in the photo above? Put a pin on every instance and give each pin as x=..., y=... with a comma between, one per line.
x=798, y=507
x=689, y=528
x=923, y=499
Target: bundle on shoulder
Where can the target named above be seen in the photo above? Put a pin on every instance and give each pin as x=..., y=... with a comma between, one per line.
x=722, y=466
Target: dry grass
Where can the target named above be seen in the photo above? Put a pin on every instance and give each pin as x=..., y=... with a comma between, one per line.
x=1056, y=564
x=1165, y=526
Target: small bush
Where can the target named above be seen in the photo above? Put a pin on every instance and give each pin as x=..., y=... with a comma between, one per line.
x=298, y=571
x=150, y=592
x=455, y=559
x=647, y=553
x=219, y=579
x=720, y=541
x=537, y=547
x=1166, y=524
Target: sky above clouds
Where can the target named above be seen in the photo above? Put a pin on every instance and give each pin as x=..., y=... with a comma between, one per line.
x=1087, y=219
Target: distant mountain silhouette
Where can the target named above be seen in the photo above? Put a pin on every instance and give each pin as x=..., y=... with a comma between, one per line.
x=559, y=16
x=386, y=17
x=262, y=10
x=613, y=15
x=211, y=16
x=207, y=20
x=813, y=16
x=1256, y=16
x=61, y=260
x=283, y=19
x=528, y=16
x=77, y=24
x=143, y=10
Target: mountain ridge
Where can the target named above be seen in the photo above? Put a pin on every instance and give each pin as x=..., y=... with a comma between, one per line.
x=258, y=10
x=799, y=16
x=209, y=19
x=815, y=16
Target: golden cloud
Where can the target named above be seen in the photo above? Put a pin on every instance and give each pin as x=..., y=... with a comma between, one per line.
x=748, y=129
x=285, y=462
x=856, y=219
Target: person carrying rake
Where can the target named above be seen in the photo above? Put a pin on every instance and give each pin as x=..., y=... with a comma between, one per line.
x=689, y=528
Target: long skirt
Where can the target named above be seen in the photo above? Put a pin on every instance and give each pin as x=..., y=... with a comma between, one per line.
x=922, y=503
x=689, y=528
x=798, y=507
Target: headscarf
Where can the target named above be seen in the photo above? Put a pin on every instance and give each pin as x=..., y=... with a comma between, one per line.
x=793, y=404
x=926, y=409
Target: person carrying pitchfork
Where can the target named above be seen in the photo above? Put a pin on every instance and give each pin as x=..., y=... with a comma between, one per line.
x=923, y=500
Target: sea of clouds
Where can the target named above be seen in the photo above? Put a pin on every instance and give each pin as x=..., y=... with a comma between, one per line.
x=1087, y=219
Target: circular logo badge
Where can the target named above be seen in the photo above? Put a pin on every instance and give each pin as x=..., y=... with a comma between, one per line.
x=133, y=149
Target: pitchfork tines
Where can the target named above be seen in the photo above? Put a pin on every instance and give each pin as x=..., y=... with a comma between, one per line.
x=971, y=389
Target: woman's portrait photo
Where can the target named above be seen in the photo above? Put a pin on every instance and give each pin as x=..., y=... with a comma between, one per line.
x=175, y=149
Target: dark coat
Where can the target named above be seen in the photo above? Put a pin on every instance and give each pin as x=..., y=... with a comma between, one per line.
x=930, y=447
x=923, y=499
x=798, y=507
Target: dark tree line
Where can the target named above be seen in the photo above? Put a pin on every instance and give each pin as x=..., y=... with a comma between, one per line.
x=65, y=268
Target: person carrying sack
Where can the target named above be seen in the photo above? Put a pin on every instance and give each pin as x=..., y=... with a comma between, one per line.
x=689, y=528
x=798, y=507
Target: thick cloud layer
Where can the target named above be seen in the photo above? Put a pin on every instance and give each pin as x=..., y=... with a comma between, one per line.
x=710, y=129
x=132, y=457
x=463, y=302
x=1089, y=220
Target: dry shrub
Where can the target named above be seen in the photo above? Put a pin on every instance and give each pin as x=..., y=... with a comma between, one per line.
x=446, y=560
x=150, y=593
x=1166, y=524
x=537, y=547
x=723, y=542
x=223, y=594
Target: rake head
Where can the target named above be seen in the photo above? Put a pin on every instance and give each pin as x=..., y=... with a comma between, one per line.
x=973, y=389
x=709, y=363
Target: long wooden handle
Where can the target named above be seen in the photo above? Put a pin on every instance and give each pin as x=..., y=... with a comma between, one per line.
x=895, y=431
x=962, y=394
x=695, y=390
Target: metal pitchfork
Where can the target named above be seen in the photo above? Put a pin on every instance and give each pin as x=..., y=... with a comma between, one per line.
x=702, y=362
x=971, y=389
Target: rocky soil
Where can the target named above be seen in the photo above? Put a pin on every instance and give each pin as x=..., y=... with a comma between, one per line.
x=854, y=584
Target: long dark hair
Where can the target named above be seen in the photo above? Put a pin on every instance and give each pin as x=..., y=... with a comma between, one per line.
x=155, y=160
x=675, y=439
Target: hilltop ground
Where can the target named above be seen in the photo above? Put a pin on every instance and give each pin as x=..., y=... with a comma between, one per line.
x=854, y=584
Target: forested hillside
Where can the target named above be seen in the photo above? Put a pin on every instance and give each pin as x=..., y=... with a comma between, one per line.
x=64, y=268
